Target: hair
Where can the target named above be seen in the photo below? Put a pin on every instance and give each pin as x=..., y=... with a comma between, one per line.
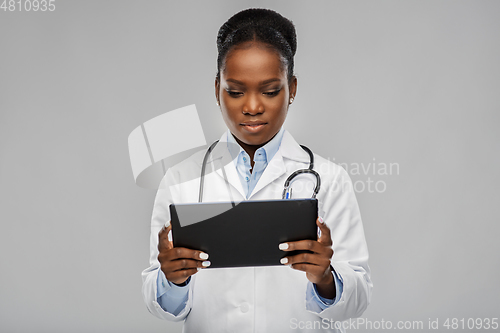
x=261, y=25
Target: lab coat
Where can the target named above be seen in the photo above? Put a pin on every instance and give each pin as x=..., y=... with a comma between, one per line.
x=264, y=299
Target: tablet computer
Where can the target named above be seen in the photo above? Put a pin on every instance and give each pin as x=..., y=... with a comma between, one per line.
x=243, y=234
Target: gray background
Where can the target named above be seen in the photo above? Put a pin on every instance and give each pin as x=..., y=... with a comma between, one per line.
x=410, y=82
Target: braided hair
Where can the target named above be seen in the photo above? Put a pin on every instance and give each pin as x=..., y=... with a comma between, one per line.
x=261, y=25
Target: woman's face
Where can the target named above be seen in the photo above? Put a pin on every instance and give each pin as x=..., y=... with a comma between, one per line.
x=253, y=93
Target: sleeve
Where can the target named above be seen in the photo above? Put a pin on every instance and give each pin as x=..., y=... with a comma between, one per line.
x=161, y=217
x=315, y=302
x=172, y=298
x=350, y=259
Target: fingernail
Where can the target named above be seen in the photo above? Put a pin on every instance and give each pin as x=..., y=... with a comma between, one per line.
x=283, y=246
x=284, y=261
x=203, y=256
x=206, y=263
x=321, y=220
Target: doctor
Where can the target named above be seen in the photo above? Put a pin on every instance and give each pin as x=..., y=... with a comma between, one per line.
x=314, y=292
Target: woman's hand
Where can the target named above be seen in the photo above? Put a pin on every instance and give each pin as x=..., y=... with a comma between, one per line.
x=316, y=264
x=178, y=263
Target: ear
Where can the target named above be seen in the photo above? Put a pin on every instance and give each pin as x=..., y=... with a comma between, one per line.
x=217, y=89
x=292, y=88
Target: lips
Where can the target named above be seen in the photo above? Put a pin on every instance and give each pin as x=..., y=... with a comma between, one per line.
x=253, y=123
x=253, y=127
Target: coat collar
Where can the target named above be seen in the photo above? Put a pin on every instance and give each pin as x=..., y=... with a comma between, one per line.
x=289, y=149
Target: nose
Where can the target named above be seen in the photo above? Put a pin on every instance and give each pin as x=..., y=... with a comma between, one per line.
x=253, y=105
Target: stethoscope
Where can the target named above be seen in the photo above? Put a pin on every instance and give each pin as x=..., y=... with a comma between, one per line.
x=287, y=191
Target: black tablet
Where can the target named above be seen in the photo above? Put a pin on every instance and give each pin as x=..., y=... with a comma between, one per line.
x=247, y=233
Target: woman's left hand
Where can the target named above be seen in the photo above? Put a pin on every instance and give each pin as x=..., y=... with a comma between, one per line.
x=316, y=264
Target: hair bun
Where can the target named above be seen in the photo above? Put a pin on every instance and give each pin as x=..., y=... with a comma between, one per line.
x=260, y=17
x=263, y=25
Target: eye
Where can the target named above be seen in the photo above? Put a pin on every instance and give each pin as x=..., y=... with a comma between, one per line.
x=234, y=93
x=272, y=93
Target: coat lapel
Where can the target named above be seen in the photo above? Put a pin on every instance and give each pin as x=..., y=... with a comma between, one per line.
x=221, y=157
x=275, y=169
x=289, y=150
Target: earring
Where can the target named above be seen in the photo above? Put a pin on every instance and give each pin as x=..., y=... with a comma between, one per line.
x=291, y=100
x=217, y=103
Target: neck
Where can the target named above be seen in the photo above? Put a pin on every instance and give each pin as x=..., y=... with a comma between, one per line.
x=250, y=149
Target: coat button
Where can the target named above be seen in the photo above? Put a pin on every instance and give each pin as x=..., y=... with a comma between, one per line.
x=244, y=307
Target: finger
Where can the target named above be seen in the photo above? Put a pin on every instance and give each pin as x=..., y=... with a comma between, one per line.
x=325, y=238
x=165, y=230
x=181, y=276
x=314, y=270
x=306, y=258
x=182, y=264
x=316, y=274
x=163, y=242
x=307, y=244
x=184, y=253
x=172, y=267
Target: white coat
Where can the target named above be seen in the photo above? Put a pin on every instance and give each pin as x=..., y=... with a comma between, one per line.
x=265, y=299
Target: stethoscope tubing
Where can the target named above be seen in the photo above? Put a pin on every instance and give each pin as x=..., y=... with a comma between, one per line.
x=287, y=182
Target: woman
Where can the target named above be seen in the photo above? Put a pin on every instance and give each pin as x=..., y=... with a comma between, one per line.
x=254, y=87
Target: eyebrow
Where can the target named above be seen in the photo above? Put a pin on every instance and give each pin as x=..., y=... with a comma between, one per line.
x=260, y=83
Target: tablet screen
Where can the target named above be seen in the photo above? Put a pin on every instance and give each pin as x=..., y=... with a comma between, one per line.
x=247, y=233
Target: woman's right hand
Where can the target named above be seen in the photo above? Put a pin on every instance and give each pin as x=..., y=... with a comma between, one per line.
x=178, y=263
